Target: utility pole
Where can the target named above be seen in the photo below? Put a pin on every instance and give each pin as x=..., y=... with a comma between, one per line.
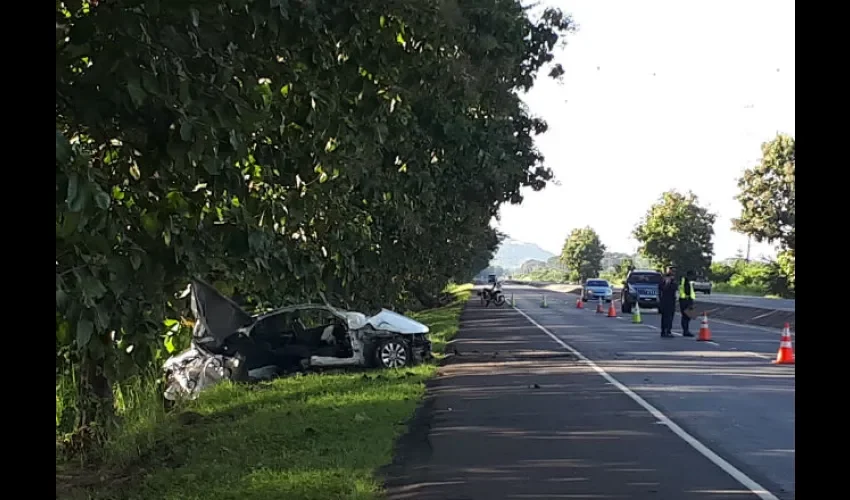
x=749, y=238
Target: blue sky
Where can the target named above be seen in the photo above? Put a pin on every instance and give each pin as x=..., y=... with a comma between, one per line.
x=657, y=95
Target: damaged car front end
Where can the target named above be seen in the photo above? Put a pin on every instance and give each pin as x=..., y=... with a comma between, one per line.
x=230, y=344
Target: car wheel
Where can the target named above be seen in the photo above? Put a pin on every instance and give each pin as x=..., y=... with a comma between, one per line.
x=500, y=300
x=392, y=353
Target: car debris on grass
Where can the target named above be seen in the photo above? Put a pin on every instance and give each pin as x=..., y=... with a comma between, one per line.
x=304, y=437
x=229, y=343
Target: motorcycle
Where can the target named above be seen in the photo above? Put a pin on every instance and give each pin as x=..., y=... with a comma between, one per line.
x=493, y=294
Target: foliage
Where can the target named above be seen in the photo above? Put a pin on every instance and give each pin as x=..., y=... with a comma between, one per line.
x=677, y=231
x=532, y=265
x=720, y=272
x=354, y=151
x=582, y=253
x=755, y=278
x=768, y=195
x=618, y=273
x=547, y=274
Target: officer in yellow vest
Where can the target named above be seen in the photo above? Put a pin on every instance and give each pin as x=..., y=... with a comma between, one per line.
x=686, y=301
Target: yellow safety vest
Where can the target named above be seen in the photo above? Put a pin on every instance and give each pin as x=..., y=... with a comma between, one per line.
x=682, y=294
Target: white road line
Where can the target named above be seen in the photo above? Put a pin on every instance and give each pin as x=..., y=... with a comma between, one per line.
x=716, y=459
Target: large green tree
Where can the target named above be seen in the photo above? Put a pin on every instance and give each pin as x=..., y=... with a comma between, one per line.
x=768, y=202
x=767, y=195
x=582, y=253
x=677, y=231
x=355, y=151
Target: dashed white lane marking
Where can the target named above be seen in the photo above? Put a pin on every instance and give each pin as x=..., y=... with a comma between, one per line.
x=716, y=459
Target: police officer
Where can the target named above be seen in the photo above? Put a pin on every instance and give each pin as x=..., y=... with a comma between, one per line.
x=667, y=291
x=686, y=301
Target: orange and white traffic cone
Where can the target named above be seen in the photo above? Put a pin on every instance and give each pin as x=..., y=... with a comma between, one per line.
x=785, y=356
x=579, y=303
x=599, y=309
x=704, y=332
x=612, y=313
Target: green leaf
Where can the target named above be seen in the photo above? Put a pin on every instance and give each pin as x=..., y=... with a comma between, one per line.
x=196, y=16
x=85, y=329
x=137, y=93
x=93, y=288
x=63, y=148
x=61, y=299
x=169, y=344
x=186, y=131
x=102, y=200
x=136, y=262
x=73, y=188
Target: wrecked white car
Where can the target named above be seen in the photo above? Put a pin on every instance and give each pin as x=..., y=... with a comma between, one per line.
x=229, y=343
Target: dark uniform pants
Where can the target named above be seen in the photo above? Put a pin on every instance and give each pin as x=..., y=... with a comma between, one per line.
x=684, y=304
x=667, y=312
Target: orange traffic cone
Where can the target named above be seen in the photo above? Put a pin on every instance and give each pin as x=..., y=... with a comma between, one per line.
x=785, y=356
x=704, y=332
x=579, y=303
x=612, y=313
x=599, y=309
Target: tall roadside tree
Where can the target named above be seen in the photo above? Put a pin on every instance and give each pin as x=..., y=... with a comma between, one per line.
x=768, y=202
x=287, y=151
x=677, y=231
x=582, y=253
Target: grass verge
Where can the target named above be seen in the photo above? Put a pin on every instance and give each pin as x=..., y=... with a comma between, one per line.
x=316, y=436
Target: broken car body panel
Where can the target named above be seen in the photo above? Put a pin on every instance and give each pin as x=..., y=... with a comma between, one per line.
x=229, y=343
x=395, y=322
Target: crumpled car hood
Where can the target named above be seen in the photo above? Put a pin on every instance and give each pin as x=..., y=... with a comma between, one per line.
x=216, y=316
x=395, y=322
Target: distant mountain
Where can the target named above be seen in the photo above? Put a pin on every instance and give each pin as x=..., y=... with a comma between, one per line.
x=512, y=253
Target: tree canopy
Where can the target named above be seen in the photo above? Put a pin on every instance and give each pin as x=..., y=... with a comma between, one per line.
x=677, y=231
x=768, y=203
x=582, y=253
x=348, y=151
x=767, y=195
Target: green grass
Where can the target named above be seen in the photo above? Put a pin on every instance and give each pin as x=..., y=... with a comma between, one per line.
x=316, y=436
x=752, y=291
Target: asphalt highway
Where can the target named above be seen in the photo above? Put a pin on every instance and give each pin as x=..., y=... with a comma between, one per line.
x=557, y=402
x=717, y=298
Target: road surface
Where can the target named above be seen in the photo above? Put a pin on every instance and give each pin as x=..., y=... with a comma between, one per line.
x=517, y=415
x=725, y=299
x=743, y=300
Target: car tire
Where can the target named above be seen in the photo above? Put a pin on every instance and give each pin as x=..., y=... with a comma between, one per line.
x=393, y=353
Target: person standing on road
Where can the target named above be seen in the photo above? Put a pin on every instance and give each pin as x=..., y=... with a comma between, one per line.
x=667, y=291
x=686, y=301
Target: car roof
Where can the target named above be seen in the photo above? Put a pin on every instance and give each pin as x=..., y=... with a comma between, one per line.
x=644, y=271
